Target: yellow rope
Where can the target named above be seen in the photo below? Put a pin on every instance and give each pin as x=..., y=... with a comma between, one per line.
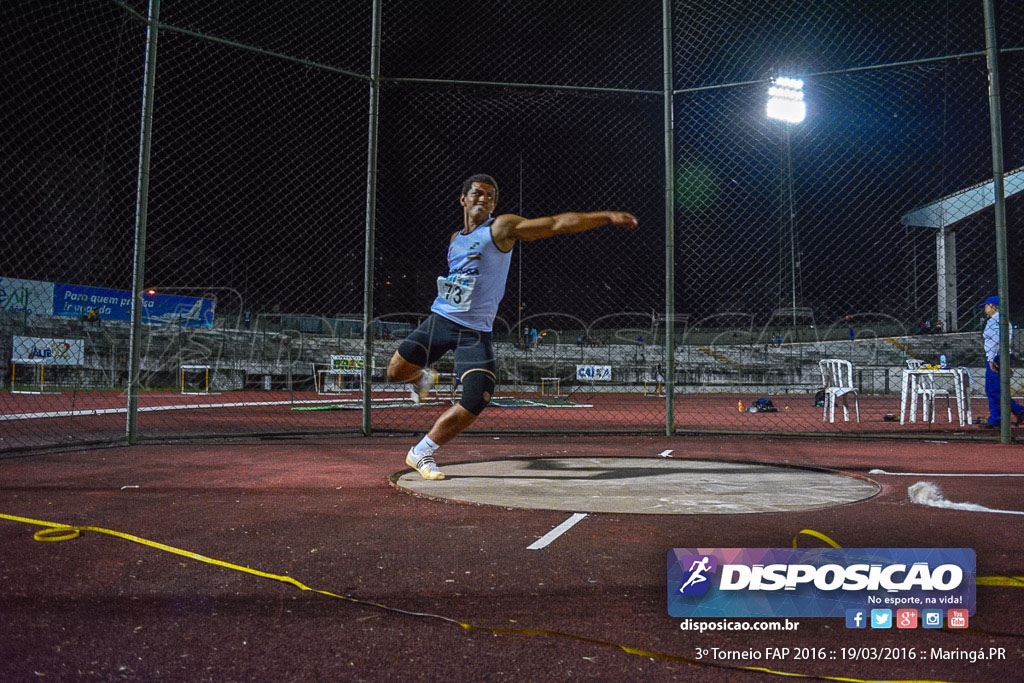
x=63, y=532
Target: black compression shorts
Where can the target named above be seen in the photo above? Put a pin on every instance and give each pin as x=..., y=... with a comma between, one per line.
x=437, y=336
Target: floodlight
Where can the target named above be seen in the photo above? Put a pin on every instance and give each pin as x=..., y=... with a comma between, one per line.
x=786, y=100
x=793, y=83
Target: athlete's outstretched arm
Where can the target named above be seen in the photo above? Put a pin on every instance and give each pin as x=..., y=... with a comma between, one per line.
x=508, y=227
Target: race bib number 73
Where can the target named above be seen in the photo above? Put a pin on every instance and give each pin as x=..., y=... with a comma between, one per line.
x=457, y=290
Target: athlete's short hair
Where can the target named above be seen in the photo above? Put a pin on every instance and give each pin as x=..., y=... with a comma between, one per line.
x=480, y=178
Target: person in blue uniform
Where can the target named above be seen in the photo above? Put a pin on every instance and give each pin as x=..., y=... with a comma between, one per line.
x=992, y=356
x=467, y=301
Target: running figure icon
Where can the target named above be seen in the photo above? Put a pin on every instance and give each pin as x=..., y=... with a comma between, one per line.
x=697, y=570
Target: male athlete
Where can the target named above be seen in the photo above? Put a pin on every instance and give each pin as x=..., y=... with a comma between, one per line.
x=467, y=300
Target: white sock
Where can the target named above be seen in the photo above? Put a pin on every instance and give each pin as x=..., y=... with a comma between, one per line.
x=425, y=447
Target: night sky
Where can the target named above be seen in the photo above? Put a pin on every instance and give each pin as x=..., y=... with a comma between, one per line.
x=259, y=163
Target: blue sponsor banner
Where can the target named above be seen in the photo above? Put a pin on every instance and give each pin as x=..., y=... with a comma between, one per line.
x=116, y=304
x=817, y=582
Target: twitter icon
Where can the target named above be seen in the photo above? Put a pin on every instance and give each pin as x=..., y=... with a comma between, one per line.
x=881, y=618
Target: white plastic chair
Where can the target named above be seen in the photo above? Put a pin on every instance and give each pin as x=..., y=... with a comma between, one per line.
x=929, y=393
x=924, y=386
x=837, y=378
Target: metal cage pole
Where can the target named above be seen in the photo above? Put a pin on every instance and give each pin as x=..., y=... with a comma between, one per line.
x=996, y=120
x=141, y=213
x=670, y=240
x=371, y=217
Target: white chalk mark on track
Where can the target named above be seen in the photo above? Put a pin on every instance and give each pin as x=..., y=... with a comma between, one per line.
x=190, y=406
x=547, y=538
x=945, y=474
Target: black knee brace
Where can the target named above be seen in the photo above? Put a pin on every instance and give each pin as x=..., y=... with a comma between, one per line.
x=477, y=390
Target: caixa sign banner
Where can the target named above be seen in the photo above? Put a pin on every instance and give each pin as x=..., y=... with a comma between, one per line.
x=816, y=582
x=594, y=373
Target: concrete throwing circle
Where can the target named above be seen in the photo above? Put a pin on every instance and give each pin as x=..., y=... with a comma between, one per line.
x=662, y=486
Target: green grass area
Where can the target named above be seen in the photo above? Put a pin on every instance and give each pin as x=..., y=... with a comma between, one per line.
x=516, y=402
x=374, y=405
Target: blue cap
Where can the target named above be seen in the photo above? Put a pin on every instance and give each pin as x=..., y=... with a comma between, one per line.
x=994, y=300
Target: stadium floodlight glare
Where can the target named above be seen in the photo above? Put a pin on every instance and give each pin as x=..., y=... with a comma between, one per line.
x=786, y=100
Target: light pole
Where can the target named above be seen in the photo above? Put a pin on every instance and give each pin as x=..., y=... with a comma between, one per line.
x=786, y=104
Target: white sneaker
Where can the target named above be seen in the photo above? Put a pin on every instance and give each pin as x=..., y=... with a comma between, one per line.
x=421, y=389
x=424, y=464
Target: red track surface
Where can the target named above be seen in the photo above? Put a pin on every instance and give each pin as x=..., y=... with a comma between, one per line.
x=166, y=415
x=321, y=511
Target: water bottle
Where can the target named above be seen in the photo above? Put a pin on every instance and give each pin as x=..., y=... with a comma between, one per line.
x=942, y=362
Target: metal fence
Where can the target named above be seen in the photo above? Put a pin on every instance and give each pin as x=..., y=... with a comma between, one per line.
x=209, y=267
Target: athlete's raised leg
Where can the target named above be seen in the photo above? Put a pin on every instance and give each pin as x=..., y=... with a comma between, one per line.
x=422, y=379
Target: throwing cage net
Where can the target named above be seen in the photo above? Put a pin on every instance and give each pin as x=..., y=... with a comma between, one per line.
x=278, y=226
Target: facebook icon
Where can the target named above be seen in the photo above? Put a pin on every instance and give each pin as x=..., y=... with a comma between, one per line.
x=856, y=618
